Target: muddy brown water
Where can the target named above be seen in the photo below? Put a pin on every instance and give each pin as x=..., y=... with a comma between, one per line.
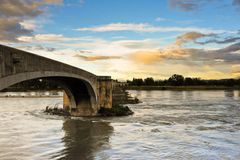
x=167, y=125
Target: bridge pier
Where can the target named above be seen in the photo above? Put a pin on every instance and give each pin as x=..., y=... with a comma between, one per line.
x=105, y=91
x=104, y=99
x=66, y=101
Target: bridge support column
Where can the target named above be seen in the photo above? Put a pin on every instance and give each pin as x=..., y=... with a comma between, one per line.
x=66, y=101
x=84, y=100
x=105, y=92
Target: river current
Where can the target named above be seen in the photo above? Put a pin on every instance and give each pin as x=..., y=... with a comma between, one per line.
x=166, y=125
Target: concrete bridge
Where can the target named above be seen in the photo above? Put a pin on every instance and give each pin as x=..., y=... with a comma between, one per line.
x=84, y=94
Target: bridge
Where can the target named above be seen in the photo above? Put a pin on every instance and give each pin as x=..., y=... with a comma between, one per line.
x=84, y=92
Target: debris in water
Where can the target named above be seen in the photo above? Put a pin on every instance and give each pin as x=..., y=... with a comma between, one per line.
x=118, y=110
x=57, y=111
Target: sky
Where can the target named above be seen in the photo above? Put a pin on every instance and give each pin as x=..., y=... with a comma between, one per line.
x=129, y=38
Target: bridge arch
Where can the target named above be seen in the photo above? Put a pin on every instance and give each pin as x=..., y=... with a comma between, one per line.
x=17, y=66
x=81, y=92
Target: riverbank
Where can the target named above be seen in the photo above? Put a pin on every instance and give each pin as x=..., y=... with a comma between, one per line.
x=32, y=94
x=182, y=88
x=13, y=96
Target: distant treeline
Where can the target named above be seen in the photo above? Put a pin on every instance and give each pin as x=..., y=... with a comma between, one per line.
x=35, y=84
x=179, y=80
x=174, y=80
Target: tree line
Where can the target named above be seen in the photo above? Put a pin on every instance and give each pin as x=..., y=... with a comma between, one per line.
x=174, y=80
x=179, y=80
x=34, y=84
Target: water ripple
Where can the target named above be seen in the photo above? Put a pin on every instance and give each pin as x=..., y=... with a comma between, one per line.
x=167, y=125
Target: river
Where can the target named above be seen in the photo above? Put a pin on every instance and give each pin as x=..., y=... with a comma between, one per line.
x=166, y=125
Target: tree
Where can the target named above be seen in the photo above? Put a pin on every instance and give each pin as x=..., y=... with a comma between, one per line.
x=149, y=81
x=176, y=80
x=188, y=81
x=230, y=82
x=137, y=82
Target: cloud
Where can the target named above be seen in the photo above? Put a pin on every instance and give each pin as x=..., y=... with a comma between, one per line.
x=25, y=8
x=10, y=29
x=117, y=27
x=186, y=5
x=227, y=40
x=158, y=55
x=19, y=8
x=236, y=2
x=96, y=58
x=144, y=27
x=190, y=5
x=117, y=47
x=81, y=1
x=37, y=47
x=159, y=19
x=14, y=15
x=46, y=38
x=147, y=57
x=224, y=55
x=29, y=24
x=148, y=51
x=188, y=37
x=194, y=36
x=230, y=49
x=76, y=3
x=49, y=37
x=56, y=2
x=84, y=51
x=193, y=5
x=236, y=70
x=138, y=44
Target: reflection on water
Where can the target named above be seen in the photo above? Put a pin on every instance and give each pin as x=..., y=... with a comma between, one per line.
x=84, y=138
x=229, y=93
x=167, y=125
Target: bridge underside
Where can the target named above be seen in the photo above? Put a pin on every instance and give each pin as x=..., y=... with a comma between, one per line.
x=79, y=98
